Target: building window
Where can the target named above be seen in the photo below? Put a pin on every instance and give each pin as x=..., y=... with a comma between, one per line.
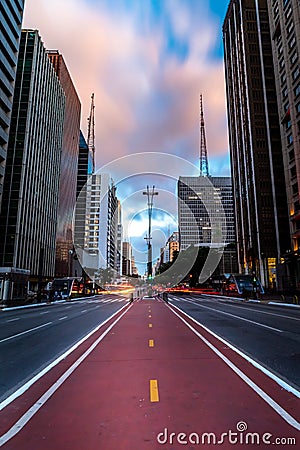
x=292, y=43
x=283, y=78
x=296, y=73
x=285, y=92
x=297, y=90
x=288, y=13
x=294, y=58
x=290, y=139
x=290, y=28
x=298, y=107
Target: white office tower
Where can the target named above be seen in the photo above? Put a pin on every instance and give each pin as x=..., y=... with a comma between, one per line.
x=100, y=240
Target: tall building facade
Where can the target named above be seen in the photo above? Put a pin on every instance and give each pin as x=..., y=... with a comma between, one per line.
x=100, y=241
x=195, y=196
x=260, y=201
x=31, y=187
x=126, y=259
x=11, y=13
x=284, y=19
x=119, y=239
x=84, y=170
x=68, y=171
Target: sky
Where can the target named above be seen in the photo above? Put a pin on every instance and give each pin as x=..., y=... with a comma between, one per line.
x=147, y=62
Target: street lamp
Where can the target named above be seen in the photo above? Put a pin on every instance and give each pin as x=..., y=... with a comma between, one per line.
x=150, y=194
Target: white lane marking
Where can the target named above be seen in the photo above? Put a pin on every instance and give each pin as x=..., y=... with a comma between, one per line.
x=236, y=317
x=46, y=312
x=43, y=399
x=274, y=405
x=25, y=332
x=268, y=313
x=84, y=310
x=13, y=320
x=267, y=372
x=62, y=318
x=33, y=380
x=246, y=308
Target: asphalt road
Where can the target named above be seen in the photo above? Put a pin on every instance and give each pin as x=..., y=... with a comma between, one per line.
x=268, y=334
x=31, y=338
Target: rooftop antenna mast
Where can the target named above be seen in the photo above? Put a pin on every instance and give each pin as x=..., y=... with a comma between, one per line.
x=91, y=132
x=203, y=149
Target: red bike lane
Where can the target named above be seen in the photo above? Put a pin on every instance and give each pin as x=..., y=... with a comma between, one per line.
x=152, y=383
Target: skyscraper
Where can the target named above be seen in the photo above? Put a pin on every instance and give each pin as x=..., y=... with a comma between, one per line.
x=11, y=13
x=206, y=216
x=255, y=146
x=200, y=202
x=285, y=31
x=68, y=171
x=100, y=249
x=31, y=187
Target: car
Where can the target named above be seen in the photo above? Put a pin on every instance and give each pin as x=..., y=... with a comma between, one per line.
x=148, y=297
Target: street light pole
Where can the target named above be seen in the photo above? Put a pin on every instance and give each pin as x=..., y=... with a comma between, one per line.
x=150, y=194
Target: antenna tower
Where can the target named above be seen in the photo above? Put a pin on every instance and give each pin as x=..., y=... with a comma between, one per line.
x=91, y=132
x=203, y=149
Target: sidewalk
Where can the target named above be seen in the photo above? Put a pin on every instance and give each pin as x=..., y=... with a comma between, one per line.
x=149, y=376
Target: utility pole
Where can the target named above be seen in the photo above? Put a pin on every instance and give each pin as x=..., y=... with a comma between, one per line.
x=91, y=132
x=150, y=194
x=203, y=149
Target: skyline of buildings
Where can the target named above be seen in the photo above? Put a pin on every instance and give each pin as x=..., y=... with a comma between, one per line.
x=47, y=161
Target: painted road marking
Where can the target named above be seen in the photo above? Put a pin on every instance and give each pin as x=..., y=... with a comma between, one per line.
x=236, y=317
x=269, y=400
x=43, y=399
x=150, y=326
x=151, y=343
x=84, y=310
x=12, y=320
x=25, y=332
x=149, y=316
x=62, y=318
x=154, y=397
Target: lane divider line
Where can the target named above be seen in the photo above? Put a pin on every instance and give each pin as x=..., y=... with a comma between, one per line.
x=236, y=317
x=263, y=369
x=151, y=343
x=274, y=405
x=150, y=325
x=33, y=380
x=43, y=399
x=154, y=396
x=25, y=332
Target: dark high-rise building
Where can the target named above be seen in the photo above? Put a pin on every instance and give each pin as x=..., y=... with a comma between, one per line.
x=31, y=187
x=68, y=172
x=11, y=13
x=255, y=145
x=206, y=216
x=284, y=17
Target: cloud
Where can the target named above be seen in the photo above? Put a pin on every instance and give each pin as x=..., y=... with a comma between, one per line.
x=146, y=89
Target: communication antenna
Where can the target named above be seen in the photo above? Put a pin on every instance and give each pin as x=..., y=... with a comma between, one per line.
x=203, y=149
x=91, y=132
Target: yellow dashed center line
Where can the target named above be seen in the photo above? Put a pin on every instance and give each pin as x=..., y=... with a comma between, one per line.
x=149, y=316
x=154, y=397
x=150, y=325
x=151, y=343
